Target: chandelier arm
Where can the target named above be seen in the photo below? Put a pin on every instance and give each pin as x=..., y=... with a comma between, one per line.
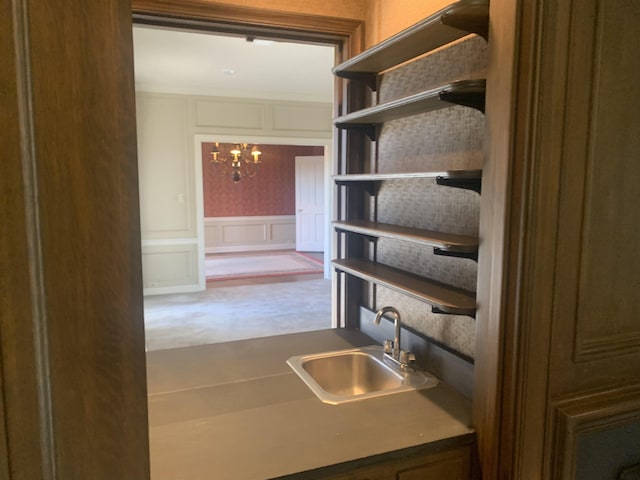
x=252, y=172
x=242, y=154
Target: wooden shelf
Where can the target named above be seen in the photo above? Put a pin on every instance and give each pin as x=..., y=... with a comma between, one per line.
x=444, y=243
x=378, y=177
x=469, y=93
x=447, y=25
x=442, y=298
x=467, y=179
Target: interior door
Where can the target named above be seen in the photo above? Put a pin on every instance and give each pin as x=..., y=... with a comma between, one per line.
x=310, y=217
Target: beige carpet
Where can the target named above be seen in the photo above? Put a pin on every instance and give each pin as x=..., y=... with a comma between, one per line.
x=243, y=265
x=222, y=314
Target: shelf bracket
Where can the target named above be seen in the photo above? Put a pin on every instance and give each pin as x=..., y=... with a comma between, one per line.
x=466, y=99
x=370, y=79
x=478, y=24
x=439, y=311
x=370, y=238
x=474, y=184
x=371, y=187
x=449, y=253
x=370, y=129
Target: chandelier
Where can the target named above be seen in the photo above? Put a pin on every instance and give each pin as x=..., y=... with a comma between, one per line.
x=241, y=160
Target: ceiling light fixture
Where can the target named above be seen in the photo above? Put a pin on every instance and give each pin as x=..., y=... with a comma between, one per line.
x=241, y=160
x=260, y=41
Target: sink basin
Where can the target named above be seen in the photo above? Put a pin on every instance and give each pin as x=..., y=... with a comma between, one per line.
x=355, y=374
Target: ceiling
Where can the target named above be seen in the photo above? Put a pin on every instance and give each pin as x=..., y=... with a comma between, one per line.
x=187, y=62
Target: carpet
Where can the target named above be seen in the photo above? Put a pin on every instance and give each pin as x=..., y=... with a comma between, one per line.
x=222, y=314
x=244, y=265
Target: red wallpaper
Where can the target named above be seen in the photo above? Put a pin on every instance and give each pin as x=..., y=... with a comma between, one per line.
x=270, y=192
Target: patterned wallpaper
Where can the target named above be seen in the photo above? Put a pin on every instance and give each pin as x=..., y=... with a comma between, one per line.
x=270, y=192
x=443, y=140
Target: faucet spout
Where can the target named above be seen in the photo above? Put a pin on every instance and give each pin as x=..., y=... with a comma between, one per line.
x=396, y=323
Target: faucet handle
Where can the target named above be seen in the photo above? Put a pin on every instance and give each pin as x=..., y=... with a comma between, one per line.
x=407, y=357
x=388, y=346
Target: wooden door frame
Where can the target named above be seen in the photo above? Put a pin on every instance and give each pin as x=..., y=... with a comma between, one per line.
x=72, y=361
x=346, y=34
x=45, y=412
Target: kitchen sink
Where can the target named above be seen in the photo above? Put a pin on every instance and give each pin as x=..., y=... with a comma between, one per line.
x=356, y=374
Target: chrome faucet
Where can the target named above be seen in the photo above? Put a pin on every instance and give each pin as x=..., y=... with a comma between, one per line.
x=392, y=350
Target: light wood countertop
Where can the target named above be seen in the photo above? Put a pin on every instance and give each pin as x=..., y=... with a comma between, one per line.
x=237, y=411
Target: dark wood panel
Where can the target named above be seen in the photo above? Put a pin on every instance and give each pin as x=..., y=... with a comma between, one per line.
x=23, y=448
x=74, y=322
x=446, y=460
x=499, y=201
x=527, y=361
x=599, y=191
x=245, y=20
x=595, y=433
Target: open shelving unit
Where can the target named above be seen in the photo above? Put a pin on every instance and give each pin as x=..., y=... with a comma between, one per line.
x=356, y=223
x=469, y=93
x=445, y=26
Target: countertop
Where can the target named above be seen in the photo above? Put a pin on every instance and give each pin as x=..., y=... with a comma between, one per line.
x=237, y=411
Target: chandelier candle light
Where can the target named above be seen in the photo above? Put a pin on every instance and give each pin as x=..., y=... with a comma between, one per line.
x=240, y=161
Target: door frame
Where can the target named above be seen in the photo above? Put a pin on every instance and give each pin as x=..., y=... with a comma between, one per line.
x=200, y=138
x=346, y=34
x=32, y=444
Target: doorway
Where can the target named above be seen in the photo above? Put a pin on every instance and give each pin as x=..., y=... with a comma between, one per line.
x=261, y=213
x=172, y=209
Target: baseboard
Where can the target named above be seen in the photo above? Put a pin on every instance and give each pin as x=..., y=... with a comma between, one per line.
x=172, y=289
x=250, y=248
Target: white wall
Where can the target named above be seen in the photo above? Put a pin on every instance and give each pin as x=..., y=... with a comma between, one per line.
x=169, y=130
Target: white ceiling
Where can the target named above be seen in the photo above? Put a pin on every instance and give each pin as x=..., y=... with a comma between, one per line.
x=175, y=61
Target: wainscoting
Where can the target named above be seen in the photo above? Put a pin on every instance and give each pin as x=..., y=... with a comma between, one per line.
x=170, y=266
x=241, y=234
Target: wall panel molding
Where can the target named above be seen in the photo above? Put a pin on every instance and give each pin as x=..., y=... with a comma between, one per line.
x=170, y=268
x=167, y=207
x=597, y=254
x=230, y=114
x=307, y=117
x=589, y=413
x=241, y=234
x=569, y=300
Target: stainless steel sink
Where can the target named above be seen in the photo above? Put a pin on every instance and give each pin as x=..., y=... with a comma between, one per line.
x=355, y=374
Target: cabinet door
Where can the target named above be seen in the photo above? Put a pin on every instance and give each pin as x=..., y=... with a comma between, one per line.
x=453, y=464
x=448, y=469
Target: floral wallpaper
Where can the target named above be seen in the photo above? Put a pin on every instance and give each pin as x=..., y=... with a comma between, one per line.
x=270, y=192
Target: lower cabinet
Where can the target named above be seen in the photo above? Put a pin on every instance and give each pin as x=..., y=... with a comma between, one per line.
x=451, y=464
